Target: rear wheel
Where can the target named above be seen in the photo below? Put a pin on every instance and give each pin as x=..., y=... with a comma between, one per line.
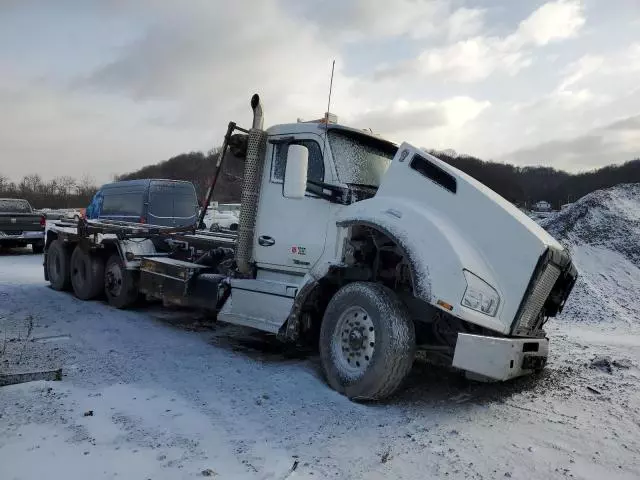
x=120, y=284
x=367, y=341
x=37, y=248
x=58, y=266
x=87, y=274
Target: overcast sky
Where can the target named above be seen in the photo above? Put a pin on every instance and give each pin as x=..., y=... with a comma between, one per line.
x=107, y=86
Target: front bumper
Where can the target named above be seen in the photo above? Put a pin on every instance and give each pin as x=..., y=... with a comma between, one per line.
x=500, y=358
x=24, y=237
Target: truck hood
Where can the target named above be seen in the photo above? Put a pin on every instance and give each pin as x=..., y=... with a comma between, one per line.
x=448, y=222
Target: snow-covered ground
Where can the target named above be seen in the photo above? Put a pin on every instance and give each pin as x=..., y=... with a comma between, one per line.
x=165, y=394
x=172, y=398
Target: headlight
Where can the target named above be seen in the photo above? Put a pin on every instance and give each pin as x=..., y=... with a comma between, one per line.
x=479, y=295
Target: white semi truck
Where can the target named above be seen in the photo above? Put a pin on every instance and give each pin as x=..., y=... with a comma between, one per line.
x=367, y=249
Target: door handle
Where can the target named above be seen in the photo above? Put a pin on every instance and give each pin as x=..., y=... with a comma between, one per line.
x=266, y=240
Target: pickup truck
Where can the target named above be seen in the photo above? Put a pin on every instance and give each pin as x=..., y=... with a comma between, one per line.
x=367, y=249
x=20, y=225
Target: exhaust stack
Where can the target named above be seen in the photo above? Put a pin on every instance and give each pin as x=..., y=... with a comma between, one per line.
x=256, y=106
x=251, y=189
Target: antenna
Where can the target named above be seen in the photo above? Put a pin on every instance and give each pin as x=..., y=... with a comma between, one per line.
x=333, y=66
x=326, y=115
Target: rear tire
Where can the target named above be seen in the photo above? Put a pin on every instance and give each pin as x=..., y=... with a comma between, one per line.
x=87, y=274
x=58, y=266
x=367, y=341
x=38, y=248
x=120, y=285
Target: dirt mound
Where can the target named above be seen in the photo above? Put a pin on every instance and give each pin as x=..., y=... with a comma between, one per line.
x=602, y=231
x=607, y=218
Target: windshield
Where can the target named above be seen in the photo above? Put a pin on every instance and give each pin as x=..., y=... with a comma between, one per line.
x=360, y=159
x=14, y=205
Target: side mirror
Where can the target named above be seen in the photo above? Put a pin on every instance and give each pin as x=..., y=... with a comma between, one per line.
x=295, y=176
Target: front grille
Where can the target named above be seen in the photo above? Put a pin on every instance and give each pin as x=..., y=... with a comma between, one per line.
x=531, y=311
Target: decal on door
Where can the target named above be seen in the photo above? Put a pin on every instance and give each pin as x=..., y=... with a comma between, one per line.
x=298, y=250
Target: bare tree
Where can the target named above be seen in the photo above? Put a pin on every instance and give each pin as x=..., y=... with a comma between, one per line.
x=31, y=183
x=86, y=185
x=66, y=185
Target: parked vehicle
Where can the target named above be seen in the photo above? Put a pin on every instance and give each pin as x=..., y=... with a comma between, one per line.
x=368, y=249
x=156, y=202
x=220, y=219
x=20, y=225
x=74, y=214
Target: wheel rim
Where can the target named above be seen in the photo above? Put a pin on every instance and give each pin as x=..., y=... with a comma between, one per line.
x=353, y=340
x=113, y=280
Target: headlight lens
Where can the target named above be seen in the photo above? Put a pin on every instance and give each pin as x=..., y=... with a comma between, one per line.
x=479, y=295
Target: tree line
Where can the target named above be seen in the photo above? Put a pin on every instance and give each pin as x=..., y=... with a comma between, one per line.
x=525, y=186
x=522, y=186
x=60, y=192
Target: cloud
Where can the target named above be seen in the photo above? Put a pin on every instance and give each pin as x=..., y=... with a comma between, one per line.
x=476, y=58
x=551, y=22
x=358, y=20
x=107, y=87
x=48, y=130
x=403, y=116
x=465, y=22
x=472, y=60
x=580, y=69
x=214, y=57
x=613, y=143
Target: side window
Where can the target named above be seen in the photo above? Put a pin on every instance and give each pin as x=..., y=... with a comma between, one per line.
x=123, y=204
x=316, y=163
x=434, y=173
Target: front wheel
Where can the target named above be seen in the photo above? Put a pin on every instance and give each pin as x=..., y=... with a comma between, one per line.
x=120, y=284
x=367, y=341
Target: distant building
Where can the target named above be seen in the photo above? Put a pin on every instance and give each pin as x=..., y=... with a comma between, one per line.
x=542, y=206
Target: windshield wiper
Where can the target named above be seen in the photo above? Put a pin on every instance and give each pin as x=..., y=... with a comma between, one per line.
x=336, y=195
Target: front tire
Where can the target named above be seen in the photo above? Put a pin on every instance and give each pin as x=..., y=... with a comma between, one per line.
x=367, y=341
x=120, y=284
x=58, y=266
x=87, y=274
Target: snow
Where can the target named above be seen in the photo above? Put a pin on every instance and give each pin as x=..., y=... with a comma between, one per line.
x=602, y=231
x=173, y=396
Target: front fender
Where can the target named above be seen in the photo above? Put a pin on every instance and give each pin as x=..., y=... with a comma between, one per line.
x=436, y=251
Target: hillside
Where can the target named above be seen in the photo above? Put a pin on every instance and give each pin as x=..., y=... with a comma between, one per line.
x=520, y=185
x=527, y=185
x=602, y=231
x=198, y=168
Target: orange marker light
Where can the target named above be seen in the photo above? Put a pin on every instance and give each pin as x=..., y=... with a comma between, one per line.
x=445, y=305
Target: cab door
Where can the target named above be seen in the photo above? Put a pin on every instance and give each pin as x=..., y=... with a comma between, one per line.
x=290, y=233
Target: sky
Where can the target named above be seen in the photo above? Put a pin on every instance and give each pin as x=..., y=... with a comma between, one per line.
x=104, y=87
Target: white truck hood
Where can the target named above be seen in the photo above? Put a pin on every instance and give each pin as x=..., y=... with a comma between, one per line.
x=450, y=222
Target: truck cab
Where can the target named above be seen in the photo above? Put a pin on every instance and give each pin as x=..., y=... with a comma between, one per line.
x=367, y=249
